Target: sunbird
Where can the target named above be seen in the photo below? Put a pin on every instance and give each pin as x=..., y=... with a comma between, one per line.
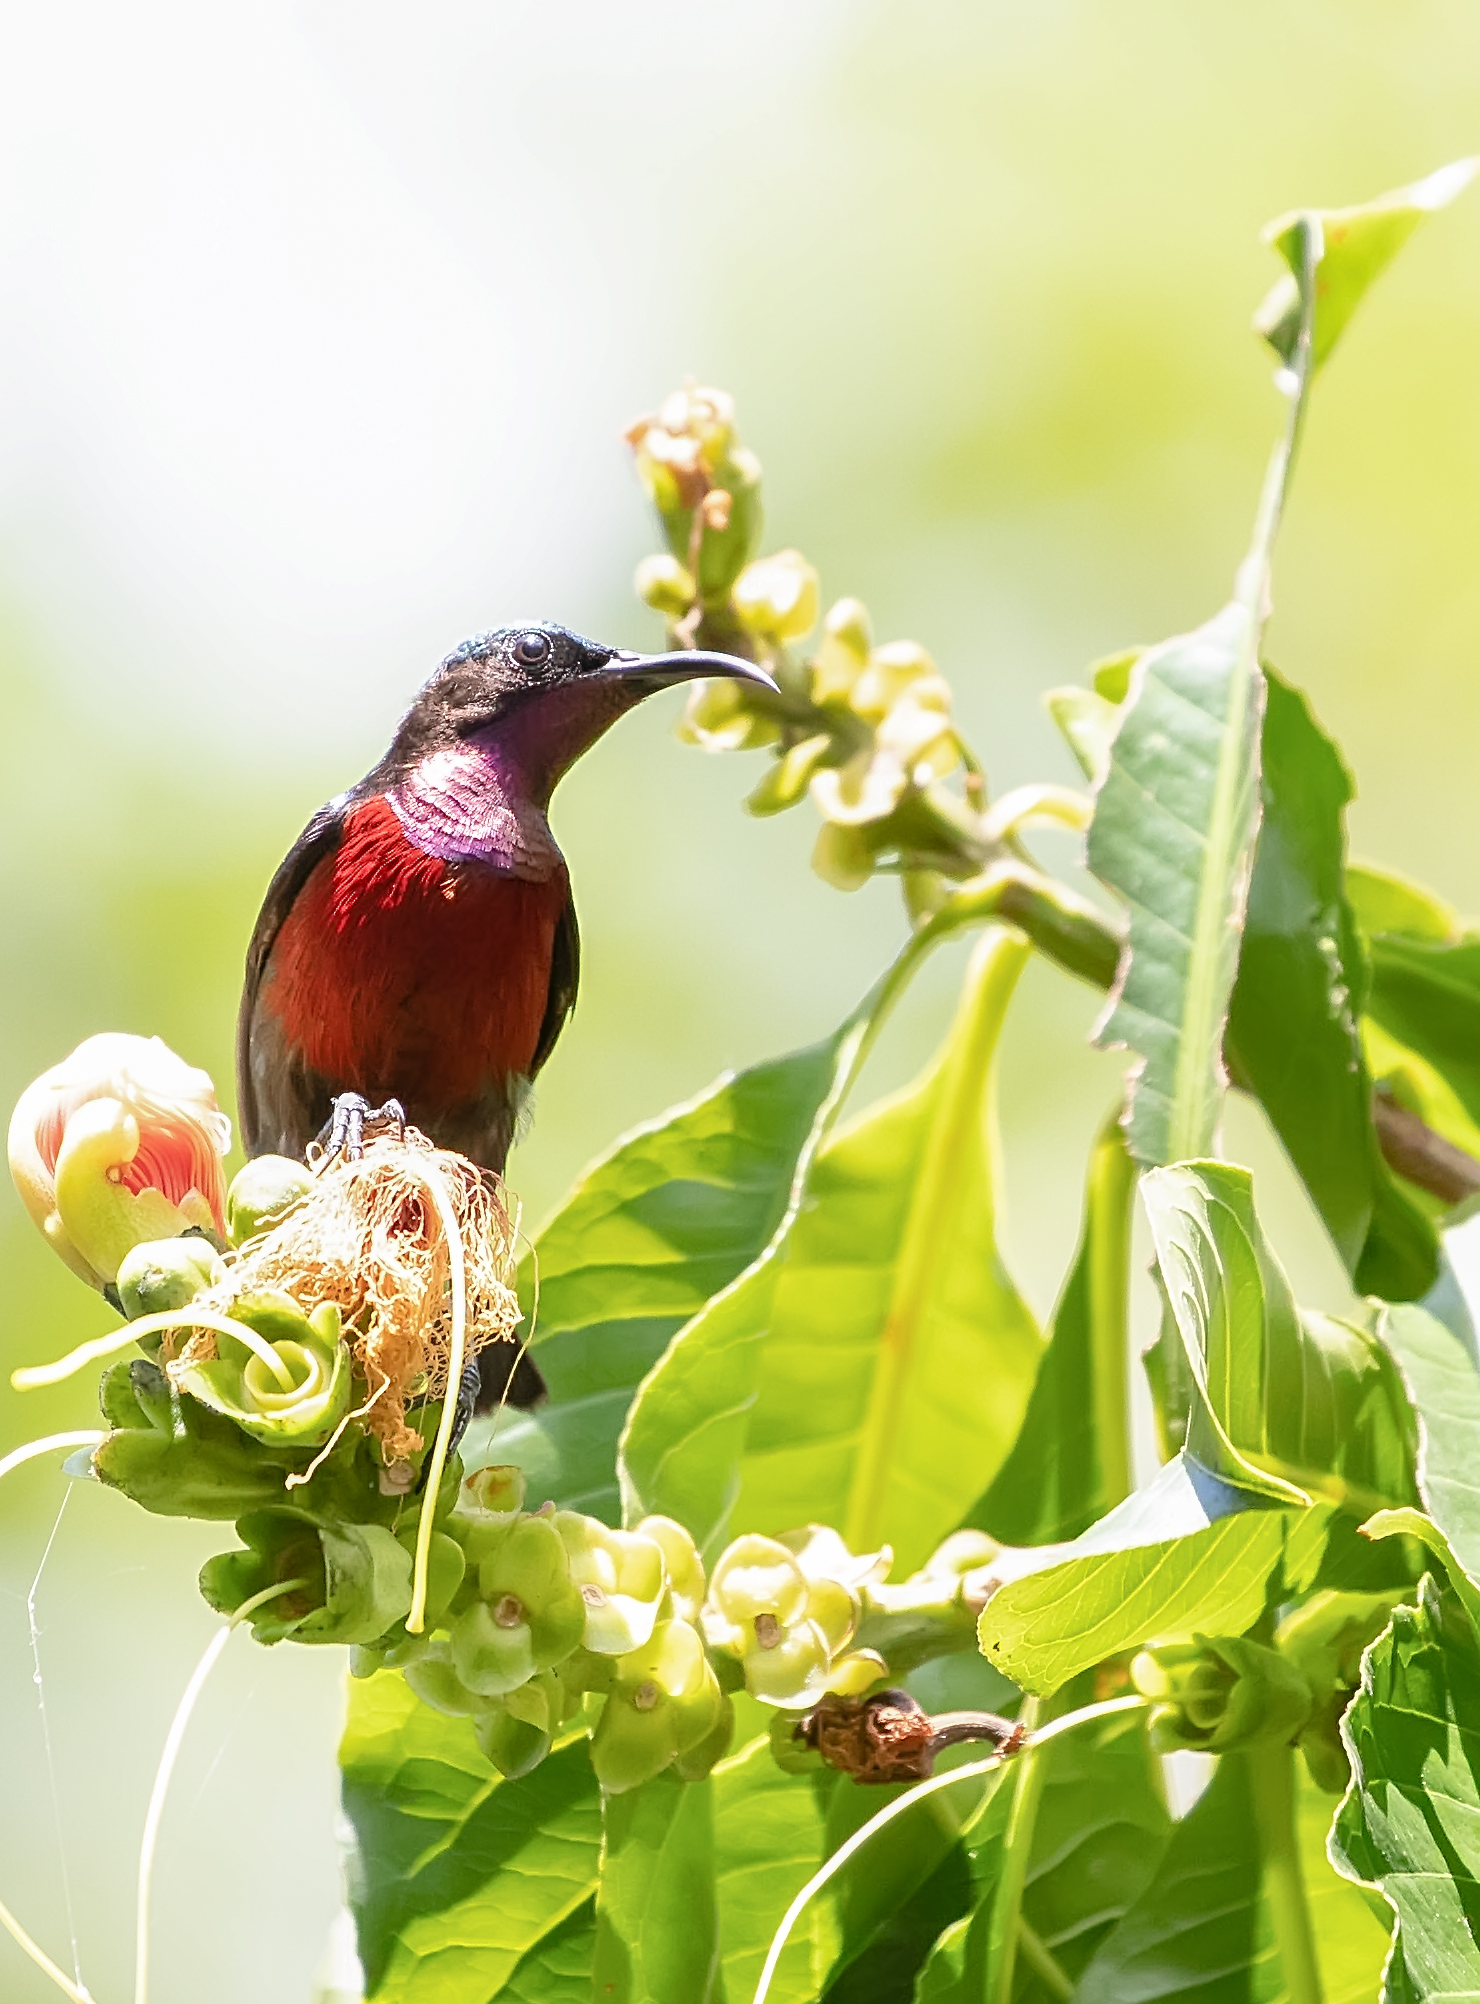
x=417, y=950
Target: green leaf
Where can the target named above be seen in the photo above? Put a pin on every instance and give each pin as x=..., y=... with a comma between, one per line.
x=1297, y=1406
x=1186, y=1552
x=1349, y=1923
x=1173, y=835
x=770, y=1836
x=457, y=1876
x=1410, y=1822
x=1426, y=996
x=1354, y=247
x=872, y=1370
x=1067, y=1466
x=1293, y=1036
x=657, y=1931
x=558, y=1970
x=1443, y=1387
x=1101, y=1828
x=1194, y=1933
x=1089, y=723
x=667, y=1219
x=1387, y=901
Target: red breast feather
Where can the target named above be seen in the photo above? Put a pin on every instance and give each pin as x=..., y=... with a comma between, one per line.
x=398, y=974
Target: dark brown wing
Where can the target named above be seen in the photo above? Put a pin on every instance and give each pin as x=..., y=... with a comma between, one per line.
x=565, y=978
x=262, y=1080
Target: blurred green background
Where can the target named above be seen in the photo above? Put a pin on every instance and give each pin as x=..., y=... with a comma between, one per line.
x=320, y=326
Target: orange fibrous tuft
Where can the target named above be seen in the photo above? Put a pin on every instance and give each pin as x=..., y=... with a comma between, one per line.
x=369, y=1239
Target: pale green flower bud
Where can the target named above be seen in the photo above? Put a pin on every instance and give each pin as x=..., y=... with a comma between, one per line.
x=776, y=598
x=262, y=1194
x=786, y=781
x=720, y=716
x=664, y=1702
x=163, y=1274
x=842, y=857
x=1217, y=1692
x=681, y=1560
x=892, y=670
x=621, y=1577
x=843, y=654
x=529, y=1616
x=665, y=584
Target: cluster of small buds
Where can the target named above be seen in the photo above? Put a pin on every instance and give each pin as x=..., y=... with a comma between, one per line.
x=550, y=1620
x=1214, y=1693
x=554, y=1617
x=865, y=730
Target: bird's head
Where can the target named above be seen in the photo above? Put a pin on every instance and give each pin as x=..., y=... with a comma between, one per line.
x=539, y=696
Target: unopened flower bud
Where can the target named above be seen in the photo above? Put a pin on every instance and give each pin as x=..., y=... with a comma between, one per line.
x=119, y=1144
x=664, y=1702
x=841, y=856
x=843, y=652
x=262, y=1195
x=1218, y=1692
x=356, y=1578
x=163, y=1274
x=892, y=670
x=786, y=780
x=721, y=716
x=622, y=1578
x=777, y=597
x=681, y=1560
x=529, y=1615
x=665, y=584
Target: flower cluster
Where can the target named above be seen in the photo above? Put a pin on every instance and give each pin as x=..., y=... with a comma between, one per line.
x=867, y=731
x=245, y=1389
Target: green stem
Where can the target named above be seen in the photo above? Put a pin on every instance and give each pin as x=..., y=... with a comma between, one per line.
x=1045, y=1966
x=1031, y=1775
x=915, y=1622
x=1271, y=1770
x=1112, y=1189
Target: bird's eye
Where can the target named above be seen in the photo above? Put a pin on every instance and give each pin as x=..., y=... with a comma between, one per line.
x=531, y=649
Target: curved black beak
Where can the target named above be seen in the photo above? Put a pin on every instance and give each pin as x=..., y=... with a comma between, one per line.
x=660, y=671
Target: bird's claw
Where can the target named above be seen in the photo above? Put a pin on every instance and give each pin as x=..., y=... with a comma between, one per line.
x=344, y=1131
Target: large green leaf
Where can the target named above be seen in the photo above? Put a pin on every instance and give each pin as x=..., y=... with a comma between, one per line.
x=657, y=1931
x=663, y=1222
x=1293, y=1036
x=1355, y=246
x=1173, y=835
x=1185, y=1552
x=1068, y=1464
x=1297, y=1405
x=1195, y=1932
x=459, y=1880
x=872, y=1370
x=1410, y=1822
x=770, y=1836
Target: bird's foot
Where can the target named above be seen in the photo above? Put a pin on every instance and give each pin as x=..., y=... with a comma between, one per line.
x=344, y=1131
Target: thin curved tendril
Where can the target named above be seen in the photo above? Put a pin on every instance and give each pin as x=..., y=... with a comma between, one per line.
x=172, y=1744
x=32, y=1376
x=971, y=1772
x=34, y=1627
x=79, y=1993
x=457, y=1279
x=17, y=1458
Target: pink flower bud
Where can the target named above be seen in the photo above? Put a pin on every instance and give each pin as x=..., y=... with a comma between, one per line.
x=119, y=1144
